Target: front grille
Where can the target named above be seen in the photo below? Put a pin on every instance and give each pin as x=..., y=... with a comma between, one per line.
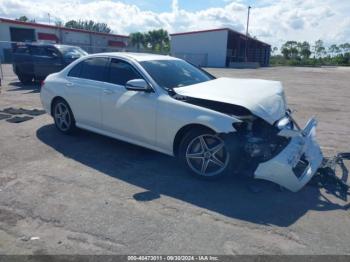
x=301, y=166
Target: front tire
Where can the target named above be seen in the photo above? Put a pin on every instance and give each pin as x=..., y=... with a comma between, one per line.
x=63, y=117
x=204, y=154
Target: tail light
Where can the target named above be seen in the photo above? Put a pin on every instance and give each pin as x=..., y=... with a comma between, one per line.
x=42, y=83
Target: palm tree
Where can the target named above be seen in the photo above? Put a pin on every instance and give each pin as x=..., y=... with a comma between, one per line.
x=137, y=39
x=157, y=39
x=152, y=38
x=163, y=39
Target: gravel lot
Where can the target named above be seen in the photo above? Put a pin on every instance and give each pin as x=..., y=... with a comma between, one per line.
x=88, y=194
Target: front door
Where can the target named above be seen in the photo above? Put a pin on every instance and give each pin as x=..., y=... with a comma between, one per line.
x=128, y=114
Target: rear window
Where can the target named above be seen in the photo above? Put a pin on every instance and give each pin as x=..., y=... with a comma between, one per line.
x=72, y=52
x=21, y=50
x=44, y=51
x=75, y=71
x=92, y=68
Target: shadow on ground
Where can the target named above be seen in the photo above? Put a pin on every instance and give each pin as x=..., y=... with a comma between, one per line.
x=18, y=86
x=161, y=175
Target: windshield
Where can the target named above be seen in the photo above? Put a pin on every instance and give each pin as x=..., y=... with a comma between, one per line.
x=175, y=73
x=72, y=51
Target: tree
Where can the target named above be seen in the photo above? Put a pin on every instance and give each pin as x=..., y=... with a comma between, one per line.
x=319, y=49
x=298, y=53
x=274, y=50
x=164, y=41
x=304, y=49
x=290, y=49
x=333, y=50
x=345, y=48
x=158, y=40
x=23, y=18
x=88, y=25
x=137, y=39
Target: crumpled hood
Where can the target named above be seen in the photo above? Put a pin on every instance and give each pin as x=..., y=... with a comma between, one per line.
x=263, y=98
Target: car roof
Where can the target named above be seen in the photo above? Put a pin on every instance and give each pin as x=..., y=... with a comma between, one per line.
x=43, y=44
x=137, y=56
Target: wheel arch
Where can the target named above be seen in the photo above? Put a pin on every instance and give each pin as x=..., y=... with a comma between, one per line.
x=54, y=100
x=183, y=131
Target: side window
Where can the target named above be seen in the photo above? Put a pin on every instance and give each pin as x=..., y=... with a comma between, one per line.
x=94, y=68
x=52, y=52
x=121, y=72
x=75, y=71
x=36, y=50
x=21, y=50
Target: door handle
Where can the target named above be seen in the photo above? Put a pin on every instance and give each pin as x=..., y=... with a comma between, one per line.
x=108, y=91
x=69, y=84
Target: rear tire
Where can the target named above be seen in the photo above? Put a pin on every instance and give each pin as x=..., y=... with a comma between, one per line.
x=204, y=154
x=63, y=117
x=25, y=79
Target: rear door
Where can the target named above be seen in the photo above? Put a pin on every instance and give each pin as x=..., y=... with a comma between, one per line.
x=22, y=60
x=84, y=88
x=46, y=60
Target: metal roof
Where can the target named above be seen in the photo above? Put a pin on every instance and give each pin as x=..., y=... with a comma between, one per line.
x=215, y=30
x=10, y=21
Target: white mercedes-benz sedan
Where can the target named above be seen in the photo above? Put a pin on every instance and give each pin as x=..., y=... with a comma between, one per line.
x=213, y=125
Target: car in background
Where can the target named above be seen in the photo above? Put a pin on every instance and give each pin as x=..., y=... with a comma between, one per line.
x=213, y=125
x=35, y=61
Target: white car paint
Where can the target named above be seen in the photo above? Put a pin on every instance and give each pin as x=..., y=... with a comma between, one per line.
x=262, y=97
x=279, y=169
x=137, y=111
x=153, y=119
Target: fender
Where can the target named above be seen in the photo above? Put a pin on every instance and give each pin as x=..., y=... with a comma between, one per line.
x=177, y=114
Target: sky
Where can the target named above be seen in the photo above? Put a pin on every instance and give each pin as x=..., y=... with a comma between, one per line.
x=272, y=21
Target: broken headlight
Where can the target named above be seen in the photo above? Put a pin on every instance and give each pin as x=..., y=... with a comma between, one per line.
x=284, y=122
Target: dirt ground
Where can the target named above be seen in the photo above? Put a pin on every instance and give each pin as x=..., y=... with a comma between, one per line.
x=88, y=194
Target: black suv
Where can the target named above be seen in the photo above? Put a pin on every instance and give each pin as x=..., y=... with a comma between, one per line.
x=36, y=61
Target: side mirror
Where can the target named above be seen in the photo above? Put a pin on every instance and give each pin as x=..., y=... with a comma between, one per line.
x=138, y=85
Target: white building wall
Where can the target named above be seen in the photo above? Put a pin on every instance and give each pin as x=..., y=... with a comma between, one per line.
x=5, y=32
x=75, y=38
x=89, y=41
x=6, y=36
x=5, y=39
x=202, y=48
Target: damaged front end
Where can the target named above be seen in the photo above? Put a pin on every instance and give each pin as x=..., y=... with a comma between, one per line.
x=282, y=153
x=295, y=165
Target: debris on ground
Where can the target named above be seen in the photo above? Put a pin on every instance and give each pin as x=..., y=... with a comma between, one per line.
x=4, y=116
x=19, y=119
x=327, y=177
x=34, y=238
x=11, y=114
x=20, y=111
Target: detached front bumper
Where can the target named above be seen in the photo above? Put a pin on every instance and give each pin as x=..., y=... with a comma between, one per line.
x=293, y=167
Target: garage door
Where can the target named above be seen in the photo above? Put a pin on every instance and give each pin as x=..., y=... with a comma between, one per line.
x=22, y=34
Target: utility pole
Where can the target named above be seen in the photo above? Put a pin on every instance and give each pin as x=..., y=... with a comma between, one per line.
x=49, y=18
x=246, y=36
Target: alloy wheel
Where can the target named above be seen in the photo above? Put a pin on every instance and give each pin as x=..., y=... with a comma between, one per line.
x=206, y=155
x=62, y=116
